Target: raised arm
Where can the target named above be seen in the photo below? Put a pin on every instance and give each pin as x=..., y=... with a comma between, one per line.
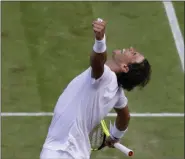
x=99, y=53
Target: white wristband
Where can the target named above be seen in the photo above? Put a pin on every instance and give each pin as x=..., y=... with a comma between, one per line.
x=115, y=133
x=100, y=45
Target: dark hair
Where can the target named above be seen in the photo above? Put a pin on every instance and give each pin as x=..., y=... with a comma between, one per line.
x=138, y=75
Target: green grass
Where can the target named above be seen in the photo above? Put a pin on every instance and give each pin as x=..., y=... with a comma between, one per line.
x=161, y=138
x=46, y=44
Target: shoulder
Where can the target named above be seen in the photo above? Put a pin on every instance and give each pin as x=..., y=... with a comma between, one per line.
x=107, y=77
x=122, y=99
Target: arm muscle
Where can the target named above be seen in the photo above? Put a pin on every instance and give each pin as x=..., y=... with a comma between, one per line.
x=97, y=62
x=123, y=118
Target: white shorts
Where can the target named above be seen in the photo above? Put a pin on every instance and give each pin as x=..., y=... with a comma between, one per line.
x=52, y=154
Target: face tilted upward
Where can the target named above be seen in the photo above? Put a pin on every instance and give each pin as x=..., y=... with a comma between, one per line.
x=127, y=56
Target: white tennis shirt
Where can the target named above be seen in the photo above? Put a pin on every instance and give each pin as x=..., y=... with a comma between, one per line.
x=80, y=108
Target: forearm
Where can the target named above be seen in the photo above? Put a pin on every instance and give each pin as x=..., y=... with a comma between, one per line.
x=122, y=122
x=97, y=62
x=99, y=54
x=120, y=127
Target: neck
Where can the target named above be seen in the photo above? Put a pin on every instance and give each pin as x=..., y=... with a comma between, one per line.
x=113, y=66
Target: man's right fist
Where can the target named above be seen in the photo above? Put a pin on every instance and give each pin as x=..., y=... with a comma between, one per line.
x=99, y=28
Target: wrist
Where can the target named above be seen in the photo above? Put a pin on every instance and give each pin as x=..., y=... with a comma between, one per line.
x=100, y=38
x=100, y=45
x=117, y=134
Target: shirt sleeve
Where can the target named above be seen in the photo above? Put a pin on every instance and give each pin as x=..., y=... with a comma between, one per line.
x=105, y=78
x=122, y=101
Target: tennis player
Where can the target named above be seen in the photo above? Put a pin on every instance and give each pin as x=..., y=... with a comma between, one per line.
x=90, y=96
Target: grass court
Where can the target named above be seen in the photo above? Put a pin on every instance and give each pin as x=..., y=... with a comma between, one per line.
x=46, y=44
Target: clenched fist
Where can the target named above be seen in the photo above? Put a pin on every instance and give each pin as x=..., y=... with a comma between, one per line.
x=99, y=28
x=110, y=142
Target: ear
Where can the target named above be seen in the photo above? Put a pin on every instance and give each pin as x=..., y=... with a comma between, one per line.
x=124, y=68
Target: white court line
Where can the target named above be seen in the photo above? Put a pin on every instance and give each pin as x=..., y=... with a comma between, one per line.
x=177, y=35
x=25, y=114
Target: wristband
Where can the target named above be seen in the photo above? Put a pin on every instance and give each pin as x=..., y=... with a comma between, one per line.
x=100, y=45
x=115, y=133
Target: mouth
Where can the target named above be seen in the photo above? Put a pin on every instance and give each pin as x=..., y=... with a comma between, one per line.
x=117, y=51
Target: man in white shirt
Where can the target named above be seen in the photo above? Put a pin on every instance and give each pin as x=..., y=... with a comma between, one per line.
x=91, y=96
